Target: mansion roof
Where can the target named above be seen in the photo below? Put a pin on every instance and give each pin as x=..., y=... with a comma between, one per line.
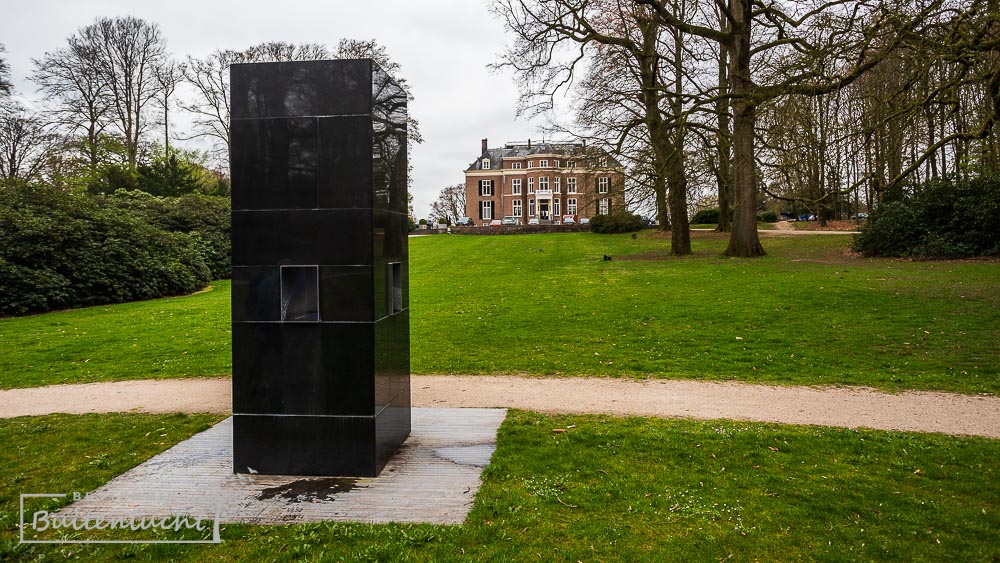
x=519, y=151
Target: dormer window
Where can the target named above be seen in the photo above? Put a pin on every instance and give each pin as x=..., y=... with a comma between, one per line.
x=486, y=164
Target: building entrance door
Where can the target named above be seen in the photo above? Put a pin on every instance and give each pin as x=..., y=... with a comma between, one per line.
x=543, y=210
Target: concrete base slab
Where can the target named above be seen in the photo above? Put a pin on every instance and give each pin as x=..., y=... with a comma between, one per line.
x=432, y=478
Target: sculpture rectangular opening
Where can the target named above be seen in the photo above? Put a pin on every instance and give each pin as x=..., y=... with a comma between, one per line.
x=300, y=294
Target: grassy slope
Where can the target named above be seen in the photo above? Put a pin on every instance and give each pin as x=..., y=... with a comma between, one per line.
x=804, y=314
x=548, y=304
x=163, y=338
x=607, y=489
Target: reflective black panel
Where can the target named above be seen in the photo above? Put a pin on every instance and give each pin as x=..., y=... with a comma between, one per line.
x=305, y=445
x=256, y=293
x=308, y=236
x=345, y=165
x=274, y=163
x=347, y=293
x=294, y=89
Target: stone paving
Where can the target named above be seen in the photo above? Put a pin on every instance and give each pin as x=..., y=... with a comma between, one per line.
x=432, y=478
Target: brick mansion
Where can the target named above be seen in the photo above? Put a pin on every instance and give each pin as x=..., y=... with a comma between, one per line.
x=542, y=181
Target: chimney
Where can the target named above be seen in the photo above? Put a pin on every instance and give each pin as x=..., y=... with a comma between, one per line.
x=529, y=143
x=485, y=146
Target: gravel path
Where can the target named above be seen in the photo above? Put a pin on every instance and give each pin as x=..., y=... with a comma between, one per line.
x=826, y=406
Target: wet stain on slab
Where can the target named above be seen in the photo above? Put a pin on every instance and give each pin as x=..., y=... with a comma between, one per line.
x=306, y=490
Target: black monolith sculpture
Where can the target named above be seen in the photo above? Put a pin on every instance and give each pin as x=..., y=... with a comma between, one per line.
x=321, y=364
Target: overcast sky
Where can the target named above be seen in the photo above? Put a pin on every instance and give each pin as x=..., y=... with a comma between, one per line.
x=442, y=45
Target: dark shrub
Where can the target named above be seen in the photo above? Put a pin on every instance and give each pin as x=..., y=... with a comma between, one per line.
x=206, y=218
x=890, y=231
x=767, y=217
x=62, y=250
x=942, y=218
x=706, y=217
x=618, y=222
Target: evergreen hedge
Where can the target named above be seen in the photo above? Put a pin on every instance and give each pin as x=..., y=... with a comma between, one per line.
x=942, y=218
x=60, y=250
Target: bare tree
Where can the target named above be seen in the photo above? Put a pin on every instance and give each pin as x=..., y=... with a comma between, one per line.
x=923, y=111
x=210, y=78
x=450, y=204
x=128, y=52
x=5, y=85
x=25, y=143
x=76, y=94
x=371, y=49
x=168, y=76
x=631, y=90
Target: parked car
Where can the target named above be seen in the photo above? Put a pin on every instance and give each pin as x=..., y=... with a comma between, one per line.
x=533, y=221
x=584, y=220
x=859, y=216
x=569, y=220
x=464, y=222
x=496, y=223
x=508, y=220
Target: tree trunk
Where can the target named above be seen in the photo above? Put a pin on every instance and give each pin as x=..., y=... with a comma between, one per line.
x=663, y=150
x=743, y=240
x=166, y=124
x=660, y=193
x=680, y=228
x=723, y=143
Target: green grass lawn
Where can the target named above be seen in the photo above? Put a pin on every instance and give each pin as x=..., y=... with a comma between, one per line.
x=808, y=313
x=64, y=453
x=163, y=338
x=805, y=314
x=607, y=489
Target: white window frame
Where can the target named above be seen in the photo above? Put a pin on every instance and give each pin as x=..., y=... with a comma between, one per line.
x=531, y=164
x=555, y=185
x=543, y=164
x=487, y=210
x=531, y=207
x=516, y=208
x=515, y=165
x=603, y=162
x=571, y=164
x=571, y=206
x=484, y=187
x=555, y=209
x=571, y=185
x=603, y=183
x=555, y=164
x=515, y=186
x=603, y=206
x=486, y=164
x=531, y=185
x=543, y=182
